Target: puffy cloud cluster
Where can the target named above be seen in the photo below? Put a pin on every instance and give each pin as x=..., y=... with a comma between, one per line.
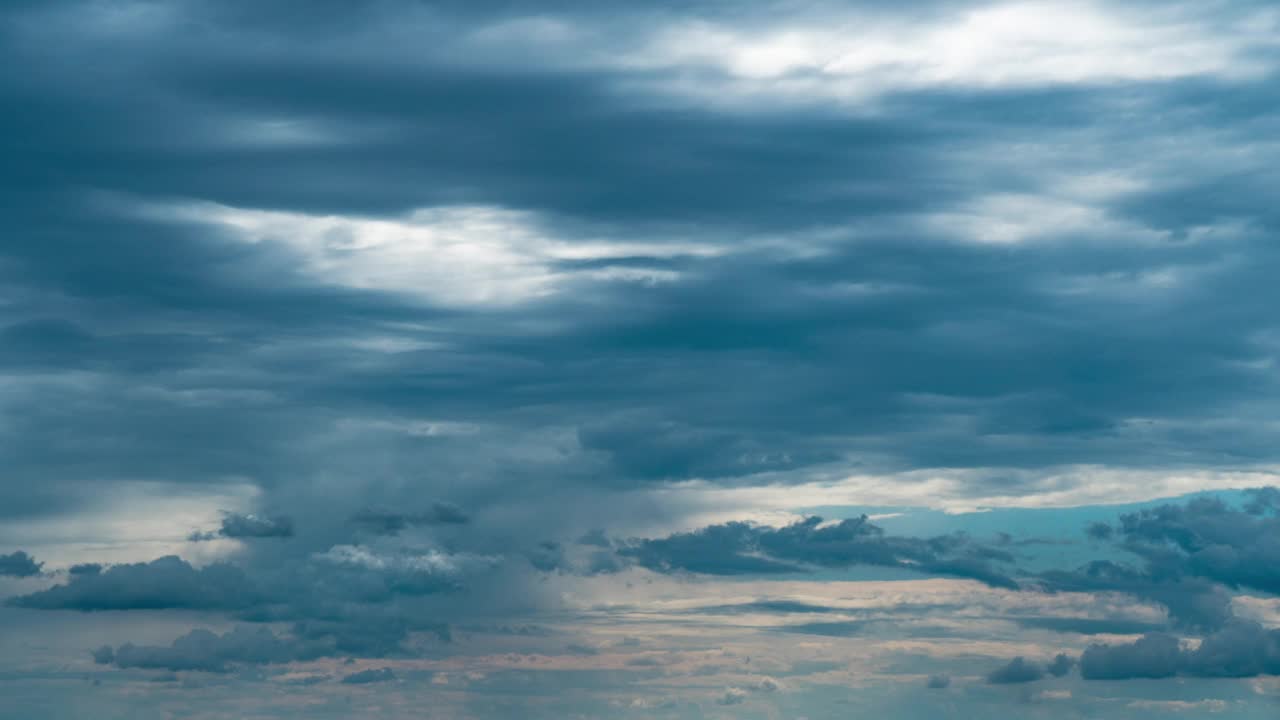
x=1192, y=555
x=373, y=675
x=348, y=599
x=235, y=525
x=209, y=652
x=1205, y=538
x=1020, y=670
x=19, y=564
x=1240, y=649
x=738, y=548
x=168, y=582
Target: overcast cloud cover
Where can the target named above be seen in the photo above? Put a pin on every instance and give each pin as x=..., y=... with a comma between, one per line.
x=673, y=359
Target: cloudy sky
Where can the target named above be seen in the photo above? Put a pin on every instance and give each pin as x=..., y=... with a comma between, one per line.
x=781, y=359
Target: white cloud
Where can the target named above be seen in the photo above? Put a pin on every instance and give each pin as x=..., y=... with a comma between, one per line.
x=1207, y=705
x=455, y=255
x=954, y=490
x=1023, y=44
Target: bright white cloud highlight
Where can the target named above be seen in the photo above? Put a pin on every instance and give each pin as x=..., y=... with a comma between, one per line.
x=840, y=56
x=453, y=255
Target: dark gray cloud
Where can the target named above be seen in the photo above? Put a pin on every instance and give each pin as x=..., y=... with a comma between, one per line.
x=1089, y=626
x=1206, y=538
x=235, y=525
x=1151, y=656
x=210, y=652
x=389, y=522
x=1191, y=554
x=1240, y=649
x=364, y=677
x=1060, y=665
x=19, y=564
x=770, y=606
x=1099, y=531
x=1018, y=670
x=350, y=600
x=168, y=582
x=738, y=548
x=938, y=682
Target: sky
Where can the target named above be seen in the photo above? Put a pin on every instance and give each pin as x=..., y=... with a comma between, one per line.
x=785, y=359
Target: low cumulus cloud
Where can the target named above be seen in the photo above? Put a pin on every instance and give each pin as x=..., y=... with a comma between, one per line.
x=1020, y=670
x=1192, y=555
x=166, y=583
x=738, y=548
x=365, y=677
x=348, y=598
x=235, y=525
x=1240, y=649
x=19, y=564
x=207, y=651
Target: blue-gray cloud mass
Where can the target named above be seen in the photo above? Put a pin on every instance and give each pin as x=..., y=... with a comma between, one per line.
x=617, y=360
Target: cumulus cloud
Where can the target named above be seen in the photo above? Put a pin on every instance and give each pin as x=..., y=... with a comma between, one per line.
x=737, y=548
x=207, y=651
x=235, y=525
x=1060, y=665
x=19, y=564
x=1192, y=555
x=1206, y=538
x=168, y=582
x=1018, y=670
x=364, y=677
x=1240, y=649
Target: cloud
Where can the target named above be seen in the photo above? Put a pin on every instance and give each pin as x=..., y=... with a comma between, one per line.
x=168, y=582
x=209, y=652
x=645, y=270
x=235, y=525
x=1018, y=670
x=19, y=564
x=251, y=526
x=1089, y=626
x=1190, y=552
x=364, y=677
x=388, y=522
x=737, y=548
x=1061, y=665
x=732, y=696
x=938, y=682
x=1240, y=649
x=1208, y=539
x=848, y=56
